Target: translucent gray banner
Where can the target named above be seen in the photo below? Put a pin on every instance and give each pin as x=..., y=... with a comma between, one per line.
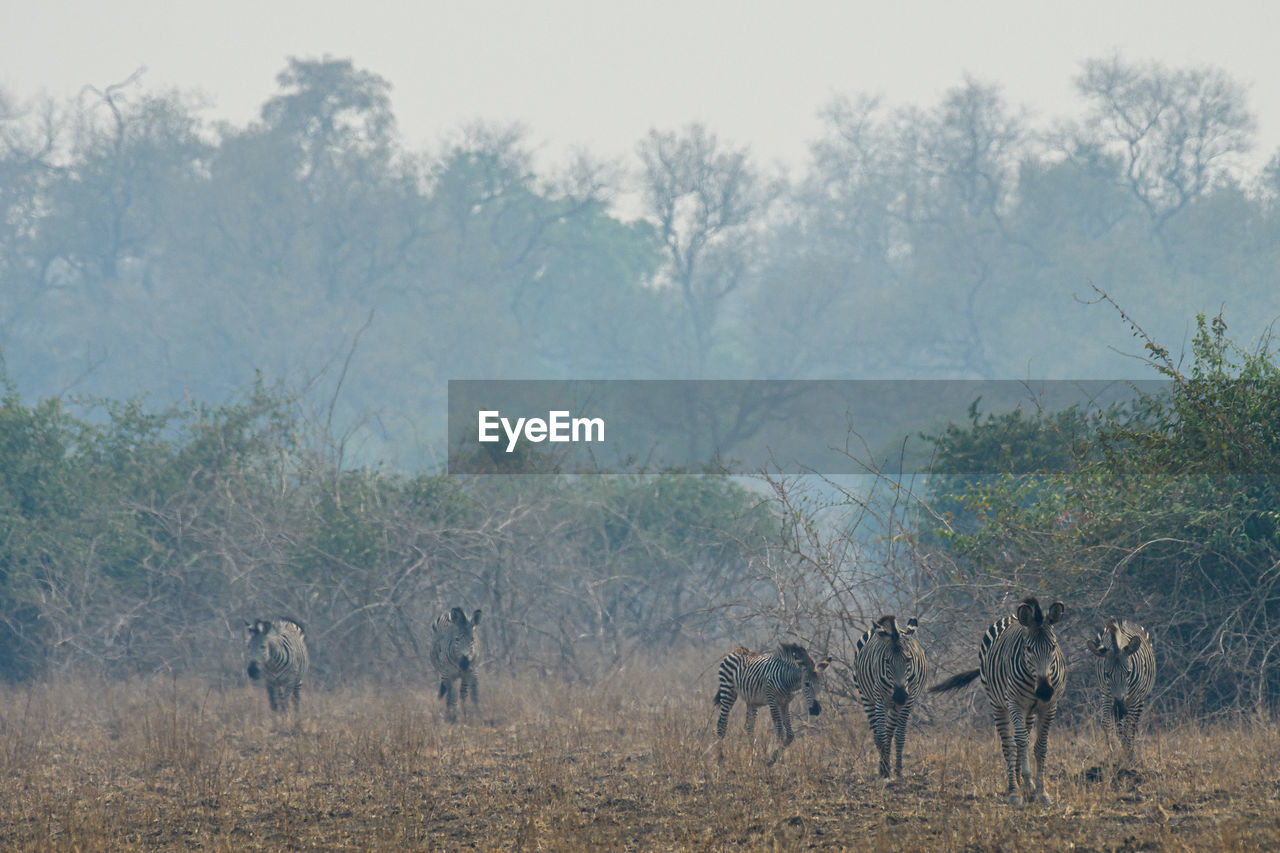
x=736, y=426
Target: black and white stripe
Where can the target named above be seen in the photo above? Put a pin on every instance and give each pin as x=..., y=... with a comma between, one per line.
x=1024, y=671
x=1126, y=668
x=769, y=679
x=889, y=671
x=278, y=655
x=453, y=651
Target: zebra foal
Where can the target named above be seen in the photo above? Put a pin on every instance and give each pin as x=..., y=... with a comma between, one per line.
x=1126, y=668
x=453, y=656
x=889, y=671
x=1023, y=670
x=278, y=655
x=771, y=679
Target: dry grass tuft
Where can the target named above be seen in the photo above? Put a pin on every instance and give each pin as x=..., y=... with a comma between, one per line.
x=625, y=765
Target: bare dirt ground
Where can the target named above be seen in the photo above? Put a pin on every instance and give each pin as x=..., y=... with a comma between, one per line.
x=622, y=766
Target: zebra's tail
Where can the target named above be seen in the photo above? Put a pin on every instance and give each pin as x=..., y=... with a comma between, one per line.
x=955, y=681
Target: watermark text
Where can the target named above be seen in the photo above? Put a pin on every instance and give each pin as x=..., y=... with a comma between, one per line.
x=558, y=426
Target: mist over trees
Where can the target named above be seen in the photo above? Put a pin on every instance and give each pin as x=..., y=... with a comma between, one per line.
x=226, y=351
x=147, y=251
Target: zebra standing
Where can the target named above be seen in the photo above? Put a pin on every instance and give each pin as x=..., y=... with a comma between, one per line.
x=1126, y=667
x=889, y=670
x=278, y=655
x=453, y=655
x=769, y=679
x=1023, y=670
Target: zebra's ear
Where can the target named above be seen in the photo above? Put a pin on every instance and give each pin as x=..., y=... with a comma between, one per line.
x=475, y=617
x=1135, y=642
x=822, y=664
x=912, y=624
x=1026, y=615
x=1055, y=612
x=1095, y=646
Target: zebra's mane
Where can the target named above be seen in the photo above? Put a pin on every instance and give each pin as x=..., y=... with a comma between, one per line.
x=302, y=629
x=798, y=653
x=1114, y=629
x=264, y=626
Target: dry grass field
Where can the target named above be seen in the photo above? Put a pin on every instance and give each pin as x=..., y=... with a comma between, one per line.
x=625, y=765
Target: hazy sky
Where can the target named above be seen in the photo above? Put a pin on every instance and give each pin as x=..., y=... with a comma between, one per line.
x=600, y=73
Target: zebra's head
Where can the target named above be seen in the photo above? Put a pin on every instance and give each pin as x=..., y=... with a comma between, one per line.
x=887, y=628
x=259, y=633
x=810, y=675
x=460, y=634
x=1040, y=653
x=1117, y=663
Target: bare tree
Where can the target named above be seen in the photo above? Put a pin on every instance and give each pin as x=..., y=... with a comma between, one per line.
x=1175, y=132
x=705, y=199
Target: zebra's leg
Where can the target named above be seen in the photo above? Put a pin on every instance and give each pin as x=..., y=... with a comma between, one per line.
x=726, y=699
x=1110, y=726
x=467, y=687
x=776, y=714
x=273, y=697
x=902, y=712
x=873, y=720
x=781, y=713
x=884, y=741
x=1007, y=748
x=1130, y=733
x=450, y=700
x=1021, y=737
x=781, y=721
x=751, y=718
x=1044, y=720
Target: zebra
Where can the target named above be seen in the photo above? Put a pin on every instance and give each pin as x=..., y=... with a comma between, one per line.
x=1024, y=671
x=889, y=671
x=771, y=679
x=1126, y=666
x=278, y=654
x=453, y=655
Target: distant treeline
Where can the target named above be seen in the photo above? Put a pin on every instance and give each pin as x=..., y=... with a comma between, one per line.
x=137, y=540
x=146, y=250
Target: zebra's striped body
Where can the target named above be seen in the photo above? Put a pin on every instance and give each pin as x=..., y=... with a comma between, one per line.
x=1024, y=671
x=889, y=670
x=1126, y=667
x=278, y=655
x=453, y=650
x=769, y=679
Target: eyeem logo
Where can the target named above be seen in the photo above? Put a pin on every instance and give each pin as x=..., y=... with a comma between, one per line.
x=558, y=426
